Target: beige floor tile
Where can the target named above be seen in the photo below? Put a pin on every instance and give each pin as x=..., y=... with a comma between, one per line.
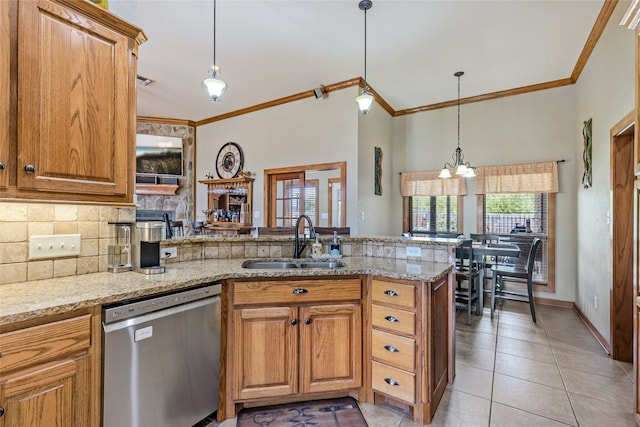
x=530, y=370
x=538, y=399
x=484, y=324
x=458, y=409
x=597, y=386
x=472, y=380
x=525, y=349
x=480, y=358
x=593, y=412
x=381, y=415
x=479, y=340
x=628, y=369
x=534, y=334
x=506, y=416
x=577, y=342
x=590, y=362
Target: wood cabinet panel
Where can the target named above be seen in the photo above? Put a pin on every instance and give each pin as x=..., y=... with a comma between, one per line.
x=394, y=349
x=393, y=293
x=73, y=90
x=394, y=320
x=266, y=352
x=38, y=344
x=296, y=292
x=331, y=347
x=5, y=92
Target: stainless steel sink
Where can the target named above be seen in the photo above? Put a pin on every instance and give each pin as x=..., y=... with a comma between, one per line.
x=283, y=265
x=278, y=265
x=321, y=264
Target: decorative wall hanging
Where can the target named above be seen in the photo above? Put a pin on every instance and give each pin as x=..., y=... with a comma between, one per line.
x=586, y=154
x=378, y=171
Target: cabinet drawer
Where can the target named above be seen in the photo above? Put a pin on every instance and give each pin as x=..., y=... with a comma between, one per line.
x=393, y=320
x=30, y=346
x=300, y=291
x=393, y=382
x=393, y=293
x=393, y=349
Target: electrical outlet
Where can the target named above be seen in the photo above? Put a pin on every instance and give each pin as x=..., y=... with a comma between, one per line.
x=54, y=246
x=414, y=251
x=169, y=253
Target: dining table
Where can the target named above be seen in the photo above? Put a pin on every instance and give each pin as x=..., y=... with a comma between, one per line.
x=482, y=251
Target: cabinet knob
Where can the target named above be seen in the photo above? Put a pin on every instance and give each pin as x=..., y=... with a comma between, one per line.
x=307, y=321
x=1, y=166
x=392, y=319
x=294, y=322
x=1, y=411
x=391, y=293
x=30, y=169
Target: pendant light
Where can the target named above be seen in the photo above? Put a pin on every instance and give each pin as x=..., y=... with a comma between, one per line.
x=461, y=167
x=365, y=100
x=213, y=85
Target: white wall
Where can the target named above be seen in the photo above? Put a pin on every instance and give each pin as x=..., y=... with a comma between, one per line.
x=605, y=93
x=533, y=127
x=301, y=133
x=376, y=212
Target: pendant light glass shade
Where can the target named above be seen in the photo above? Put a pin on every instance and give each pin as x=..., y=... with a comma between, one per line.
x=461, y=167
x=213, y=85
x=365, y=100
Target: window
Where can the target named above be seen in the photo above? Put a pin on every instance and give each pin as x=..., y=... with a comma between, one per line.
x=517, y=202
x=431, y=204
x=433, y=214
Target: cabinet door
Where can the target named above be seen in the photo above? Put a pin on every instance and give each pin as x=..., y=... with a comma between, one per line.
x=5, y=82
x=265, y=352
x=331, y=347
x=75, y=111
x=54, y=395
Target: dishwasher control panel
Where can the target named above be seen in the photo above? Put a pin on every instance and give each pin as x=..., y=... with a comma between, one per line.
x=138, y=308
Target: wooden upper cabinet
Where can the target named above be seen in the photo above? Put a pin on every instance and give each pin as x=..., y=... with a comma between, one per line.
x=75, y=103
x=5, y=84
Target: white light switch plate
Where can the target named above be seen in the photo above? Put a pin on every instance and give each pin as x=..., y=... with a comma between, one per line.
x=54, y=246
x=414, y=251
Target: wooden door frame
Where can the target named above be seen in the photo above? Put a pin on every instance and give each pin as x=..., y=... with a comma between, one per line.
x=622, y=187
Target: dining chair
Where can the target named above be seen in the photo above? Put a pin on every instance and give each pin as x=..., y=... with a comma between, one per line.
x=466, y=269
x=197, y=227
x=503, y=273
x=177, y=228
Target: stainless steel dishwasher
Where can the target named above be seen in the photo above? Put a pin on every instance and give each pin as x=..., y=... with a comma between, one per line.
x=161, y=362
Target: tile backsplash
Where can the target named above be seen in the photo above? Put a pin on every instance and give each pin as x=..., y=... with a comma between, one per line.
x=18, y=221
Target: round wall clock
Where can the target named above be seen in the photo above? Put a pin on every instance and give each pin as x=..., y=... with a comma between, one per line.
x=229, y=160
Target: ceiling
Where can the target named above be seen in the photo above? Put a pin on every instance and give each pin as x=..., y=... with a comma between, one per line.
x=271, y=49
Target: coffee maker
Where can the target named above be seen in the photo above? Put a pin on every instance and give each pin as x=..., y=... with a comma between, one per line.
x=147, y=252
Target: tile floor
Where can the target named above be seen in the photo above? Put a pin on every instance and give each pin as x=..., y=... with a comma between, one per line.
x=513, y=372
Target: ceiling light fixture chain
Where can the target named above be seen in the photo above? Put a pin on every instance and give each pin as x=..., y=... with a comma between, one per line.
x=213, y=85
x=365, y=100
x=461, y=167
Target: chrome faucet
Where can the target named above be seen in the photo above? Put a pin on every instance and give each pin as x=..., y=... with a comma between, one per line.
x=298, y=247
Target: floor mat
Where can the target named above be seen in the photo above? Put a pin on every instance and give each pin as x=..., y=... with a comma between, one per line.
x=342, y=412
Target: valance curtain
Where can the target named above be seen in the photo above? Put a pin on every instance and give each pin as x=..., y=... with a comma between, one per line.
x=521, y=178
x=427, y=183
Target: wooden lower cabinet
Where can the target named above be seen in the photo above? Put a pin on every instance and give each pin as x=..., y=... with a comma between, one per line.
x=46, y=375
x=308, y=344
x=411, y=343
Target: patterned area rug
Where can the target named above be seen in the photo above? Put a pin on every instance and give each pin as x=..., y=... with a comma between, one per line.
x=343, y=412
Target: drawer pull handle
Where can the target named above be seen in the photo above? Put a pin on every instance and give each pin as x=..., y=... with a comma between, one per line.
x=391, y=349
x=299, y=291
x=392, y=319
x=391, y=381
x=391, y=293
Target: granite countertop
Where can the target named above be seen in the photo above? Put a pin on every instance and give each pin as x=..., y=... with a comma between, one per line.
x=39, y=298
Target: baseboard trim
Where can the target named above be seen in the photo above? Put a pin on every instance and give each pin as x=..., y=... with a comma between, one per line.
x=605, y=345
x=554, y=302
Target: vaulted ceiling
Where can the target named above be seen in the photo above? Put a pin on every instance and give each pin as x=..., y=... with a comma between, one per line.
x=272, y=49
